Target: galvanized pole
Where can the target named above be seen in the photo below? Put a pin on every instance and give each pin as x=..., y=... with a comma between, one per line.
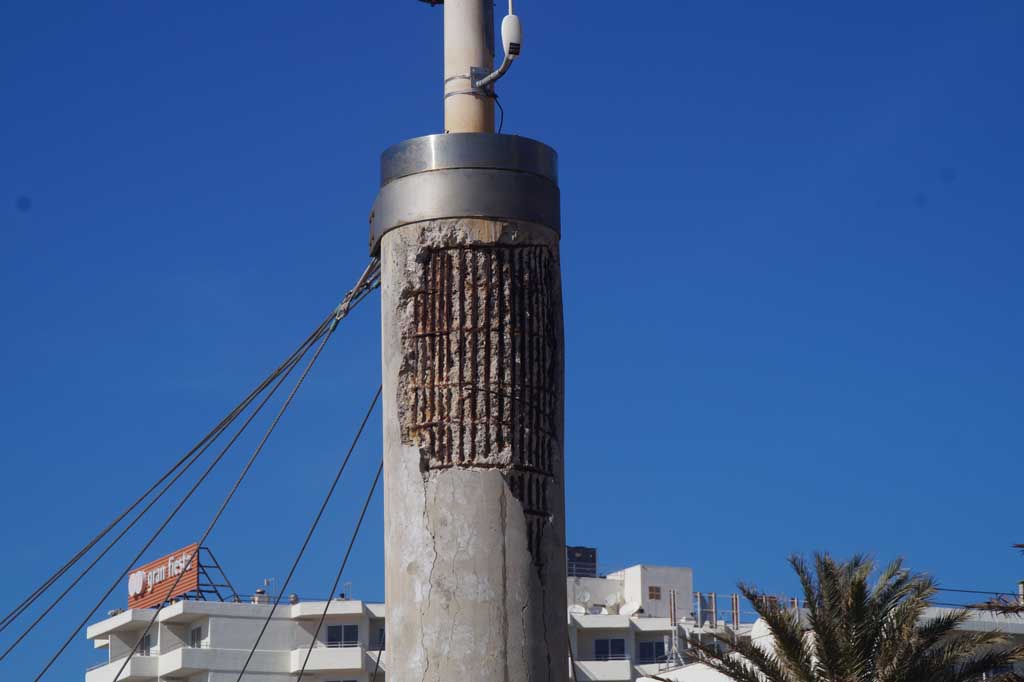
x=467, y=229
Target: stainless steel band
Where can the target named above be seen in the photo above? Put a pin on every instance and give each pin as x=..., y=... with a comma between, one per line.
x=466, y=175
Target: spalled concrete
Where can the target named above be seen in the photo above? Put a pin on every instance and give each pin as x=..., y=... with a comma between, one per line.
x=473, y=473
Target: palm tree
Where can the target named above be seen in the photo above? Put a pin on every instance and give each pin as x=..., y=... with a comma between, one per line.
x=851, y=630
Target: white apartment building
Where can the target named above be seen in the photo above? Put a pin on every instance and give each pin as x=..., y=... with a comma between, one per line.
x=206, y=641
x=619, y=626
x=620, y=629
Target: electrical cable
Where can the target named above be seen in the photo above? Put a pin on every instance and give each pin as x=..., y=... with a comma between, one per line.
x=234, y=488
x=501, y=110
x=173, y=513
x=282, y=371
x=341, y=569
x=309, y=534
x=950, y=589
x=211, y=436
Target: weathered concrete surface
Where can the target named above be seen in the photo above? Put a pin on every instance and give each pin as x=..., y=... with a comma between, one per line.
x=473, y=472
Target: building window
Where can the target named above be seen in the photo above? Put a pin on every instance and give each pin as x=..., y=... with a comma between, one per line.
x=146, y=646
x=651, y=652
x=379, y=644
x=654, y=592
x=195, y=637
x=342, y=635
x=609, y=649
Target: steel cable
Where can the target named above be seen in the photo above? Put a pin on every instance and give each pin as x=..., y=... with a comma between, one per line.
x=166, y=521
x=376, y=664
x=368, y=281
x=202, y=444
x=341, y=569
x=309, y=534
x=282, y=371
x=231, y=493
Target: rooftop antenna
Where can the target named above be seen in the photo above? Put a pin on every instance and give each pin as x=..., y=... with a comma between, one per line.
x=674, y=658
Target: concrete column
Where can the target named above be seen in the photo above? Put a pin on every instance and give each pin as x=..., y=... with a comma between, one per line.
x=473, y=471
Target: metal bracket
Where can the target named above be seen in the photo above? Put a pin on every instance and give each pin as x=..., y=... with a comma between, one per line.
x=477, y=74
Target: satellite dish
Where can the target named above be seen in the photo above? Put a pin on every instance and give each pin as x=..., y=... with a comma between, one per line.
x=577, y=610
x=629, y=608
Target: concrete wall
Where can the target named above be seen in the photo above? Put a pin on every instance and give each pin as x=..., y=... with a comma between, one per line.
x=638, y=579
x=589, y=591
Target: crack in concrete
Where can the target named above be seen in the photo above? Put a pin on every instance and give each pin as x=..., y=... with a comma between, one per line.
x=526, y=658
x=544, y=621
x=504, y=577
x=430, y=576
x=455, y=577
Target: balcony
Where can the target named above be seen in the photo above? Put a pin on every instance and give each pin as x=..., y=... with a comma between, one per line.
x=329, y=659
x=186, y=661
x=138, y=669
x=609, y=670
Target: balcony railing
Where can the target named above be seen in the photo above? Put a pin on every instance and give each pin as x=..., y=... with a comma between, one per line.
x=96, y=666
x=607, y=657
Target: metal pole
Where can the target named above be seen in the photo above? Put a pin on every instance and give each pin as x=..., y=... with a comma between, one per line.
x=468, y=52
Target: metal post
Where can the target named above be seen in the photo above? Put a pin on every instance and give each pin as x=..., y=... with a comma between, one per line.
x=674, y=657
x=468, y=52
x=714, y=609
x=735, y=599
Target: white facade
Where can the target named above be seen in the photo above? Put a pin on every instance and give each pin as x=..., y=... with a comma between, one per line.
x=197, y=641
x=619, y=628
x=621, y=636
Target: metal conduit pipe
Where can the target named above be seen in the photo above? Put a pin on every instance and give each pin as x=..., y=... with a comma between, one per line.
x=468, y=47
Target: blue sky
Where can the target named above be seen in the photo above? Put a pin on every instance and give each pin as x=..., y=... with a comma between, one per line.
x=792, y=268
